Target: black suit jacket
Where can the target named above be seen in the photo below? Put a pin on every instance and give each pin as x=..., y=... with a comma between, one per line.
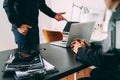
x=26, y=11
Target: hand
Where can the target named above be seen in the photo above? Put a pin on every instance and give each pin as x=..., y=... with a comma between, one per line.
x=76, y=44
x=59, y=16
x=83, y=41
x=23, y=29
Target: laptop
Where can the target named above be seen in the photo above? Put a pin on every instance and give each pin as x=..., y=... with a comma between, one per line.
x=67, y=27
x=77, y=30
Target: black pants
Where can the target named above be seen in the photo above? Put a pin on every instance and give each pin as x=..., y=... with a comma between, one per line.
x=99, y=74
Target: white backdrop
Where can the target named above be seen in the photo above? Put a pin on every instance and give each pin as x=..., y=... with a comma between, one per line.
x=66, y=5
x=6, y=37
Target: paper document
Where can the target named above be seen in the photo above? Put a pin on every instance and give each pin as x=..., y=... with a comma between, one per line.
x=48, y=66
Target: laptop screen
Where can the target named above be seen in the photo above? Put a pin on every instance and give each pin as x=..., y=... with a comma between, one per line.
x=68, y=25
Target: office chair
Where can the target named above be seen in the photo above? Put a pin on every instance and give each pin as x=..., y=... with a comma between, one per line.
x=51, y=36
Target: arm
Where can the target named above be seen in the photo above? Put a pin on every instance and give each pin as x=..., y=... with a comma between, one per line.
x=8, y=5
x=96, y=56
x=45, y=9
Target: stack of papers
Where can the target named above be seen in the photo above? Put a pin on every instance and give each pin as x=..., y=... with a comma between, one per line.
x=35, y=67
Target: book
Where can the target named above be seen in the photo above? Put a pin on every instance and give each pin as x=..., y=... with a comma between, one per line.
x=48, y=69
x=20, y=75
x=12, y=64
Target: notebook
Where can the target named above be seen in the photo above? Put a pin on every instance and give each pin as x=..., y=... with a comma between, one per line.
x=77, y=30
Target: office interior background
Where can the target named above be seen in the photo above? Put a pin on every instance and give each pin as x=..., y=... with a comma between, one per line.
x=73, y=13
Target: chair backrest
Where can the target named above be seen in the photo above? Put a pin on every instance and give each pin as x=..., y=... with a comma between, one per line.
x=51, y=36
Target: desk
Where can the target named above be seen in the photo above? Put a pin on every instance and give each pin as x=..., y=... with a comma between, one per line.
x=62, y=58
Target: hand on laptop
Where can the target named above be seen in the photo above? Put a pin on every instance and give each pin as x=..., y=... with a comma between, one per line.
x=78, y=43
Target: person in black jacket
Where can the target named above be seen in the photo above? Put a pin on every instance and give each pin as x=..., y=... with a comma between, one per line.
x=100, y=53
x=23, y=15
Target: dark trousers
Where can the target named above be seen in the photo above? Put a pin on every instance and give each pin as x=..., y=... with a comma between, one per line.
x=100, y=74
x=29, y=41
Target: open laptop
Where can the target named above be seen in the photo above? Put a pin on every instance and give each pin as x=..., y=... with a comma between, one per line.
x=67, y=26
x=77, y=30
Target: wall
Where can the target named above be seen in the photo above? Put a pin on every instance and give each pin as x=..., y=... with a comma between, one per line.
x=6, y=37
x=63, y=6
